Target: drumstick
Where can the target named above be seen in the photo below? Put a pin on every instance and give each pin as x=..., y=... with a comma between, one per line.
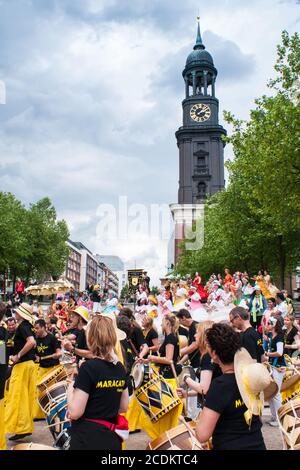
x=57, y=424
x=174, y=373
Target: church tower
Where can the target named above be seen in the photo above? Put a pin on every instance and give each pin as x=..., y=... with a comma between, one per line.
x=199, y=139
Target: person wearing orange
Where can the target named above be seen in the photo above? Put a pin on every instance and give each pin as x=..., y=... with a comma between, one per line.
x=228, y=278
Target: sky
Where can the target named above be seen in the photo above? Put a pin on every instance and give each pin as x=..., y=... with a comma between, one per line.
x=93, y=92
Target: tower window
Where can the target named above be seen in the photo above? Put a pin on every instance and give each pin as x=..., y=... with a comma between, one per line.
x=201, y=190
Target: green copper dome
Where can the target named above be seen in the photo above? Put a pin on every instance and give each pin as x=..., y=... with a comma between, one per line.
x=199, y=57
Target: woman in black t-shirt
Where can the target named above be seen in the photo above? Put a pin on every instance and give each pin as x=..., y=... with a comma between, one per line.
x=99, y=393
x=169, y=350
x=208, y=370
x=151, y=337
x=223, y=417
x=277, y=361
x=135, y=337
x=290, y=336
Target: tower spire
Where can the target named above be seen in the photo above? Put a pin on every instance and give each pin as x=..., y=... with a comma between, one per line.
x=199, y=44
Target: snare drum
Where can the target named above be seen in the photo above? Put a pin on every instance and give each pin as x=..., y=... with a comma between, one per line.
x=178, y=438
x=157, y=398
x=140, y=373
x=32, y=446
x=53, y=396
x=289, y=424
x=57, y=375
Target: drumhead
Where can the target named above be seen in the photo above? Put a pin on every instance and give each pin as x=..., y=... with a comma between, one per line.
x=137, y=374
x=186, y=370
x=32, y=446
x=50, y=376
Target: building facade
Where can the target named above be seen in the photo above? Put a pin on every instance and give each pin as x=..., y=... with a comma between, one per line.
x=199, y=140
x=73, y=267
x=117, y=273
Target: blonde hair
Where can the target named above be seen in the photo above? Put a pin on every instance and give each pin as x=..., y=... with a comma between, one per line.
x=173, y=321
x=201, y=329
x=101, y=337
x=147, y=324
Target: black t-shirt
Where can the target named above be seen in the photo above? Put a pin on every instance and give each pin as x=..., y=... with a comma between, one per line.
x=182, y=331
x=80, y=341
x=231, y=431
x=10, y=338
x=45, y=347
x=3, y=333
x=289, y=338
x=277, y=361
x=166, y=370
x=137, y=338
x=23, y=331
x=194, y=357
x=152, y=334
x=252, y=342
x=104, y=382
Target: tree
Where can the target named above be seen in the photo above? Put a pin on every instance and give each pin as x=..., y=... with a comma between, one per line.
x=47, y=241
x=33, y=241
x=125, y=293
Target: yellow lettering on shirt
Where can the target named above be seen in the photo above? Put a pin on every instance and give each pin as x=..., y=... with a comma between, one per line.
x=41, y=348
x=110, y=384
x=239, y=403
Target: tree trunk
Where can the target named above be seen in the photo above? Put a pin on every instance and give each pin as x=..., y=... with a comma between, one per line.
x=282, y=261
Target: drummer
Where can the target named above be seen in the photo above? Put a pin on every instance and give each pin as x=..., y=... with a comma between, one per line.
x=169, y=350
x=223, y=417
x=47, y=357
x=21, y=394
x=151, y=338
x=277, y=361
x=74, y=339
x=99, y=393
x=3, y=371
x=208, y=370
x=135, y=338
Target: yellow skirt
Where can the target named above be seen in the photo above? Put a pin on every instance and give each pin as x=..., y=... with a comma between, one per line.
x=2, y=433
x=166, y=422
x=21, y=399
x=39, y=374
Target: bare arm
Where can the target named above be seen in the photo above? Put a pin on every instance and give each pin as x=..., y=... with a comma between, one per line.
x=206, y=424
x=124, y=401
x=189, y=349
x=164, y=360
x=77, y=400
x=203, y=385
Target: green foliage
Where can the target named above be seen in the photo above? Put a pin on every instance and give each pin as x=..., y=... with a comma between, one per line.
x=255, y=222
x=33, y=241
x=125, y=294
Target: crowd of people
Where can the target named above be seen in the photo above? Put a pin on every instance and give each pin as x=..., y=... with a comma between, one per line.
x=194, y=338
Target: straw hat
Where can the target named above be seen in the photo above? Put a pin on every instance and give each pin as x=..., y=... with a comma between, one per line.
x=252, y=379
x=120, y=334
x=82, y=312
x=25, y=311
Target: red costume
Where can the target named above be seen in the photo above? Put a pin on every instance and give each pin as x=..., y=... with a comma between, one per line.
x=200, y=289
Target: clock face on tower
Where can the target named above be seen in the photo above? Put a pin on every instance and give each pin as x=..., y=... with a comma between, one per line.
x=200, y=112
